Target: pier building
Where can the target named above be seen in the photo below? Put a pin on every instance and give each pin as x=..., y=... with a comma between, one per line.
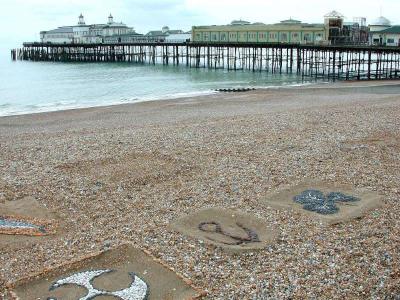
x=287, y=31
x=94, y=33
x=345, y=33
x=391, y=36
x=59, y=35
x=375, y=30
x=168, y=35
x=333, y=31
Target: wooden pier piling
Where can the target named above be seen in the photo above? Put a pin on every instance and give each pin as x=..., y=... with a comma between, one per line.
x=331, y=62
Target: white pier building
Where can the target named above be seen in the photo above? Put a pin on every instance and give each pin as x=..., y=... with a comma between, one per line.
x=82, y=33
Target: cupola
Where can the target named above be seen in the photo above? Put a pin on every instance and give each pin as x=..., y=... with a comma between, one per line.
x=81, y=20
x=110, y=19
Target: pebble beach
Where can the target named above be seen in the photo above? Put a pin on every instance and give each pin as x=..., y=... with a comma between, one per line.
x=124, y=173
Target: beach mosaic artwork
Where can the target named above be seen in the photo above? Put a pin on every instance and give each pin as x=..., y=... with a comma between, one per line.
x=327, y=203
x=315, y=200
x=249, y=236
x=19, y=226
x=123, y=273
x=23, y=220
x=227, y=228
x=138, y=289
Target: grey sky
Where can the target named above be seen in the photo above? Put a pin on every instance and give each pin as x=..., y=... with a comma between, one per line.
x=21, y=20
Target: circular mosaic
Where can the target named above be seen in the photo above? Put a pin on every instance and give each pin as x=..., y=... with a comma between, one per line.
x=123, y=273
x=138, y=289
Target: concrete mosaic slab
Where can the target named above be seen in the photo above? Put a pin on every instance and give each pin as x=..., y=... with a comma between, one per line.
x=27, y=206
x=18, y=225
x=328, y=203
x=227, y=228
x=24, y=219
x=124, y=273
x=136, y=169
x=377, y=139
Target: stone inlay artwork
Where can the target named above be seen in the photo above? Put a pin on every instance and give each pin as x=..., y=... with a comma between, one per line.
x=15, y=226
x=214, y=227
x=108, y=275
x=229, y=229
x=325, y=204
x=137, y=291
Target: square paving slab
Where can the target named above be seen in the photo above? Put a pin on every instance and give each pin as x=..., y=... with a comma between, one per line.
x=227, y=228
x=124, y=273
x=24, y=220
x=329, y=204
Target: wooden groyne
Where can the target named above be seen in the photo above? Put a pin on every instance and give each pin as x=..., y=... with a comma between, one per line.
x=332, y=62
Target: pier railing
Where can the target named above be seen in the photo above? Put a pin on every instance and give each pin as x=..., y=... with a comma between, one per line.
x=319, y=61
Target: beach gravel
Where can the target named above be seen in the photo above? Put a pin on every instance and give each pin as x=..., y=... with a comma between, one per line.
x=124, y=173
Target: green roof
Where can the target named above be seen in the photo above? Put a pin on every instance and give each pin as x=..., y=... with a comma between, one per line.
x=393, y=29
x=126, y=34
x=291, y=21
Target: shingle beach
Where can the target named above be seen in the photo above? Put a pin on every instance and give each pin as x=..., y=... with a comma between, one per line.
x=124, y=173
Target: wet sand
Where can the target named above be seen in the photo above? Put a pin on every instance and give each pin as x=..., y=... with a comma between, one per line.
x=124, y=173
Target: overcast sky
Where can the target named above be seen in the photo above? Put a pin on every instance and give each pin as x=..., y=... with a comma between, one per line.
x=21, y=20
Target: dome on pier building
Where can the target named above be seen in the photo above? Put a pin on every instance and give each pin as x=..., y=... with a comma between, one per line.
x=110, y=19
x=334, y=14
x=379, y=24
x=334, y=20
x=381, y=21
x=290, y=22
x=240, y=22
x=81, y=20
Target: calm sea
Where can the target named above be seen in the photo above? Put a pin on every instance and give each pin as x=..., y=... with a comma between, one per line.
x=31, y=87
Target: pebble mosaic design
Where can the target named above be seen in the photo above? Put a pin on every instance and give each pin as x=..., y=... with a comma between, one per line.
x=12, y=224
x=137, y=291
x=214, y=227
x=317, y=201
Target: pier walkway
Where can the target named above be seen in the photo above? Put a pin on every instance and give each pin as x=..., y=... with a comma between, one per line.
x=319, y=61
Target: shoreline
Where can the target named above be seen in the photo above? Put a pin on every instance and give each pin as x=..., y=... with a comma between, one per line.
x=210, y=93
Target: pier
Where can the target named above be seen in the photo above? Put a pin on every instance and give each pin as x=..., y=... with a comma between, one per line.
x=319, y=61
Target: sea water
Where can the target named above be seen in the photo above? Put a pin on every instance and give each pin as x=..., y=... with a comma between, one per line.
x=32, y=87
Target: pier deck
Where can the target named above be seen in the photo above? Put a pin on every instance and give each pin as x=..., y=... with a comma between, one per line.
x=319, y=61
